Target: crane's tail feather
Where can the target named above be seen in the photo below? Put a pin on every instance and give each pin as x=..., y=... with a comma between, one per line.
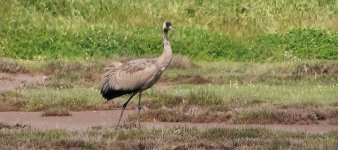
x=108, y=93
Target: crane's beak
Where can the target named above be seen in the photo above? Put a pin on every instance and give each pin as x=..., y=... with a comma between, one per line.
x=171, y=28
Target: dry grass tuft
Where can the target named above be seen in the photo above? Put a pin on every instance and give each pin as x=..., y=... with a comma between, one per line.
x=11, y=101
x=334, y=121
x=136, y=144
x=109, y=105
x=70, y=143
x=11, y=66
x=180, y=62
x=262, y=115
x=186, y=114
x=56, y=112
x=316, y=69
x=163, y=138
x=206, y=144
x=197, y=79
x=7, y=126
x=66, y=68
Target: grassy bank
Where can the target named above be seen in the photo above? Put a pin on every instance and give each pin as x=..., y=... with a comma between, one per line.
x=178, y=138
x=230, y=30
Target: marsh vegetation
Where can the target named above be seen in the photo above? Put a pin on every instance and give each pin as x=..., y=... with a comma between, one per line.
x=236, y=62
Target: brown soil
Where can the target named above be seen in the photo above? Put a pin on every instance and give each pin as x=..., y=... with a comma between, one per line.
x=198, y=79
x=77, y=120
x=88, y=119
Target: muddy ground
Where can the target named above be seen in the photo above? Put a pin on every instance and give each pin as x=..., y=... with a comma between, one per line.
x=87, y=119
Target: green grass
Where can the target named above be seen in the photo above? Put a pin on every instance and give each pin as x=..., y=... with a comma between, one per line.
x=215, y=138
x=221, y=30
x=279, y=94
x=75, y=98
x=81, y=97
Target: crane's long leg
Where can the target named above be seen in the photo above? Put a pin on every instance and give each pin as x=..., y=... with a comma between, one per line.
x=139, y=110
x=123, y=108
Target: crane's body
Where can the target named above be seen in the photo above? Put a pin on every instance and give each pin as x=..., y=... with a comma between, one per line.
x=137, y=75
x=133, y=76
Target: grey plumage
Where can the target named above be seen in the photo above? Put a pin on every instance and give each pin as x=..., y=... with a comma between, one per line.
x=135, y=76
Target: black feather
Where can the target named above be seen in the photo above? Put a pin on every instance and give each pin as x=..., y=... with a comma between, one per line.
x=108, y=93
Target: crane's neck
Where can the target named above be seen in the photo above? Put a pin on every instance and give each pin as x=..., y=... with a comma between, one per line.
x=165, y=58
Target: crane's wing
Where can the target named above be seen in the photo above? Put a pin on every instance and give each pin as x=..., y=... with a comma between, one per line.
x=120, y=79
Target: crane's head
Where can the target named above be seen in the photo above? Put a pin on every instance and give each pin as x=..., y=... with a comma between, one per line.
x=167, y=26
